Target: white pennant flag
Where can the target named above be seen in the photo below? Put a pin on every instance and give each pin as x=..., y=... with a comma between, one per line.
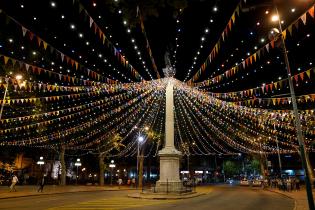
x=243, y=63
x=24, y=30
x=267, y=47
x=62, y=56
x=27, y=66
x=91, y=22
x=303, y=18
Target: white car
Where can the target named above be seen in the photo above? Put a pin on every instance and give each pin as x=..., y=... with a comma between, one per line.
x=244, y=182
x=256, y=183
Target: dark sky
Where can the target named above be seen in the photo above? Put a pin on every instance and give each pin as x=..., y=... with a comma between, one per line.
x=161, y=26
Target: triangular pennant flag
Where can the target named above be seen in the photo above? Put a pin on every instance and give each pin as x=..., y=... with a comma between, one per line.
x=243, y=63
x=303, y=18
x=272, y=43
x=311, y=12
x=31, y=36
x=308, y=73
x=233, y=18
x=237, y=10
x=45, y=45
x=284, y=34
x=267, y=47
x=24, y=30
x=6, y=59
x=38, y=41
x=290, y=30
x=62, y=56
x=27, y=66
x=91, y=22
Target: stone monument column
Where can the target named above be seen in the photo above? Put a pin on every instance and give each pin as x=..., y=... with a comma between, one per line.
x=169, y=155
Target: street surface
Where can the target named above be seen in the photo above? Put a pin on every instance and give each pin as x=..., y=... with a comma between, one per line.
x=218, y=198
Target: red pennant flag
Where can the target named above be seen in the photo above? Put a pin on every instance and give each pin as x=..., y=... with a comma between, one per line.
x=31, y=35
x=311, y=12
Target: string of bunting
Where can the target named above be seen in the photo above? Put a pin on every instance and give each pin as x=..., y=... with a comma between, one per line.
x=217, y=46
x=126, y=123
x=252, y=92
x=147, y=42
x=103, y=38
x=224, y=118
x=82, y=126
x=64, y=58
x=260, y=52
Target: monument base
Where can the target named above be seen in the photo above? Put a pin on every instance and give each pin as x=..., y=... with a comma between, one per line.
x=169, y=187
x=169, y=172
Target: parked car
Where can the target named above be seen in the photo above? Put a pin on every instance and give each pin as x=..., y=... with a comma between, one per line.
x=256, y=183
x=229, y=181
x=244, y=182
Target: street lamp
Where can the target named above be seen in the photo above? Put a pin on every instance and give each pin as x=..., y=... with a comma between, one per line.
x=140, y=140
x=6, y=79
x=77, y=164
x=40, y=163
x=297, y=121
x=112, y=166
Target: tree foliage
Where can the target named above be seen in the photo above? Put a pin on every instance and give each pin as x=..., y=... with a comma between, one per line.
x=231, y=168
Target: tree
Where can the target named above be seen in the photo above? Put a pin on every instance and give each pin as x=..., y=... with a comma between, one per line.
x=112, y=142
x=63, y=165
x=255, y=165
x=231, y=168
x=151, y=138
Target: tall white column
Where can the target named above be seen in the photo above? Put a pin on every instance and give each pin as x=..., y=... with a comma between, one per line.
x=169, y=155
x=169, y=116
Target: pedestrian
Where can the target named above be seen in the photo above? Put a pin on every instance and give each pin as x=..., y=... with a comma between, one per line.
x=41, y=184
x=14, y=181
x=133, y=181
x=297, y=184
x=129, y=182
x=119, y=182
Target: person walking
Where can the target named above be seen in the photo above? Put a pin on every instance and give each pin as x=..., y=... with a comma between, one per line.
x=14, y=181
x=119, y=182
x=133, y=181
x=41, y=184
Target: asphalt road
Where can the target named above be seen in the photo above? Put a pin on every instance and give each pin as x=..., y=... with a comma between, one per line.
x=220, y=198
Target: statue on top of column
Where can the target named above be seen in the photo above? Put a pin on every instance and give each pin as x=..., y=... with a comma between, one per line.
x=168, y=71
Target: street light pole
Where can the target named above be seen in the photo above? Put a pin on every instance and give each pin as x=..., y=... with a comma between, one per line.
x=77, y=164
x=5, y=94
x=139, y=140
x=111, y=165
x=297, y=121
x=279, y=157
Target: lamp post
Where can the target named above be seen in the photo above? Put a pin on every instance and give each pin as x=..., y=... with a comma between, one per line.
x=112, y=166
x=297, y=121
x=40, y=163
x=278, y=151
x=77, y=164
x=5, y=94
x=6, y=79
x=140, y=140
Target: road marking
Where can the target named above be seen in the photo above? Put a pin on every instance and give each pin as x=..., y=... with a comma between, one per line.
x=114, y=203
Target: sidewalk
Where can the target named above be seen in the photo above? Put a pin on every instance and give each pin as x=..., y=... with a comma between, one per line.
x=31, y=190
x=299, y=197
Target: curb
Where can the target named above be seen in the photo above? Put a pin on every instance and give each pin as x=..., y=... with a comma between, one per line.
x=166, y=198
x=285, y=195
x=56, y=193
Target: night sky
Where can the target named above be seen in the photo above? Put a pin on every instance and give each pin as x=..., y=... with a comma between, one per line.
x=223, y=48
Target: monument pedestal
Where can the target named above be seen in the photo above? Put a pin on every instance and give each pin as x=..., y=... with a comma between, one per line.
x=169, y=172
